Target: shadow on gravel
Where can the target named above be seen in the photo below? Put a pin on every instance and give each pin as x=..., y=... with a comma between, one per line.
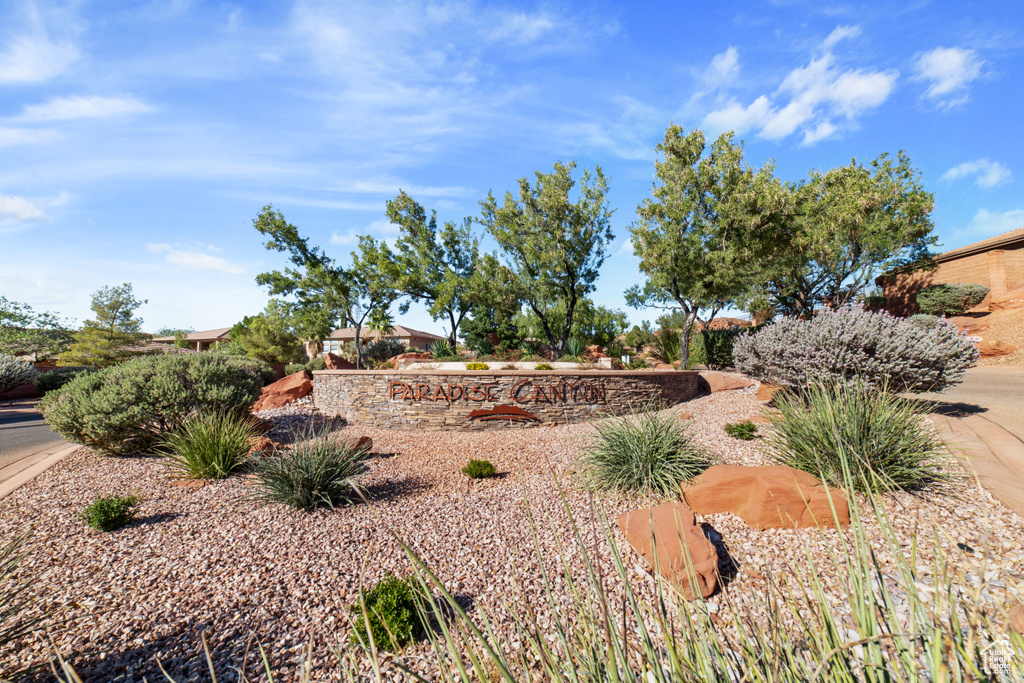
x=728, y=568
x=390, y=490
x=154, y=519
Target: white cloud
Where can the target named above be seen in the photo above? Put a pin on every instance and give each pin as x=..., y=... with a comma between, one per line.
x=987, y=224
x=724, y=67
x=987, y=173
x=30, y=59
x=25, y=136
x=948, y=71
x=626, y=248
x=821, y=99
x=195, y=258
x=19, y=210
x=379, y=229
x=519, y=27
x=83, y=107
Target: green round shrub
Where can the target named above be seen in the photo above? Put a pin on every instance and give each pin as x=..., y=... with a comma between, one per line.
x=924, y=320
x=126, y=408
x=394, y=608
x=950, y=299
x=51, y=380
x=110, y=513
x=479, y=469
x=292, y=368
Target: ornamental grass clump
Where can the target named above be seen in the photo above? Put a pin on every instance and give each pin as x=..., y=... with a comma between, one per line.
x=210, y=445
x=645, y=452
x=857, y=345
x=854, y=433
x=14, y=372
x=110, y=513
x=395, y=611
x=319, y=470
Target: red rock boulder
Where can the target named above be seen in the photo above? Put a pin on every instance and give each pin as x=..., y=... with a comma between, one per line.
x=672, y=542
x=594, y=352
x=358, y=443
x=775, y=497
x=766, y=391
x=968, y=325
x=407, y=358
x=336, y=362
x=991, y=349
x=717, y=381
x=283, y=391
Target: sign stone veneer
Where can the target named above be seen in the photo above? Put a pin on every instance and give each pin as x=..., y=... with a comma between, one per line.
x=492, y=399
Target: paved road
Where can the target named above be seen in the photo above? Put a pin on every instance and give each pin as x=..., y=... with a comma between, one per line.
x=996, y=393
x=22, y=433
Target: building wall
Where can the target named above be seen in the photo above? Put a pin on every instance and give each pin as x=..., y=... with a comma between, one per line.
x=1000, y=270
x=455, y=400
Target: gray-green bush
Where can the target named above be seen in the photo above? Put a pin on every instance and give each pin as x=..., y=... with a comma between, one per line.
x=126, y=408
x=859, y=345
x=714, y=347
x=382, y=350
x=14, y=372
x=950, y=299
x=51, y=380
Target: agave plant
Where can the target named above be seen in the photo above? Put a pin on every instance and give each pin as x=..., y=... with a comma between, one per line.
x=575, y=346
x=441, y=349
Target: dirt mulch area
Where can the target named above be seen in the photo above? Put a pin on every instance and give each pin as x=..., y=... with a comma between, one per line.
x=1005, y=326
x=198, y=561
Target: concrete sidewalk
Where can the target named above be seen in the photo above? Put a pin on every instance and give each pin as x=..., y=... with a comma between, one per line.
x=24, y=470
x=993, y=453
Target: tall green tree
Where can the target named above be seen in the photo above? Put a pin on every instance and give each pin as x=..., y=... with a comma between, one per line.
x=844, y=227
x=115, y=332
x=554, y=244
x=592, y=323
x=441, y=268
x=324, y=293
x=703, y=229
x=24, y=332
x=268, y=336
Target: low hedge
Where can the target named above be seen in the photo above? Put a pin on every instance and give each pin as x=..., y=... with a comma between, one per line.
x=950, y=299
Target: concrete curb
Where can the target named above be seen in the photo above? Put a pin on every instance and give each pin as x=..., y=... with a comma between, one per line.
x=995, y=455
x=26, y=469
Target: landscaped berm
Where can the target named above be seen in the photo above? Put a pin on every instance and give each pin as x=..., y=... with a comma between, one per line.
x=767, y=530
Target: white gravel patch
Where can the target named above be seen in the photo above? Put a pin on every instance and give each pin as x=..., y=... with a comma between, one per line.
x=197, y=561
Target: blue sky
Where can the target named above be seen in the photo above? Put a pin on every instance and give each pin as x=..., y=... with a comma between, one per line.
x=138, y=140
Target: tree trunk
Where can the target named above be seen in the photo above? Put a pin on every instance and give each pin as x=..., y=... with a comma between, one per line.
x=359, y=348
x=684, y=339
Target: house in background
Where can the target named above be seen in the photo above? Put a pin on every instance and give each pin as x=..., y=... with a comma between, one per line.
x=997, y=263
x=200, y=341
x=412, y=338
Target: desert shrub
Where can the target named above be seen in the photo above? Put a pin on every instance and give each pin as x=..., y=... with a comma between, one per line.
x=951, y=299
x=51, y=380
x=477, y=366
x=714, y=347
x=292, y=368
x=615, y=349
x=575, y=347
x=875, y=302
x=319, y=470
x=382, y=350
x=646, y=452
x=924, y=320
x=210, y=445
x=744, y=431
x=855, y=344
x=479, y=469
x=396, y=611
x=543, y=366
x=110, y=513
x=636, y=363
x=125, y=408
x=665, y=346
x=318, y=363
x=14, y=372
x=260, y=368
x=442, y=350
x=853, y=432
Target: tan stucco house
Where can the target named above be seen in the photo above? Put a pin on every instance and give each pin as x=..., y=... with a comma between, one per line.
x=996, y=262
x=410, y=337
x=200, y=341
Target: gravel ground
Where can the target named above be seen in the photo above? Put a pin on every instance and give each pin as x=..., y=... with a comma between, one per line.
x=197, y=561
x=1006, y=326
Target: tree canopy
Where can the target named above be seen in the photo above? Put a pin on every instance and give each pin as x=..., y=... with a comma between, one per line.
x=845, y=226
x=699, y=235
x=441, y=268
x=112, y=336
x=268, y=336
x=554, y=245
x=24, y=332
